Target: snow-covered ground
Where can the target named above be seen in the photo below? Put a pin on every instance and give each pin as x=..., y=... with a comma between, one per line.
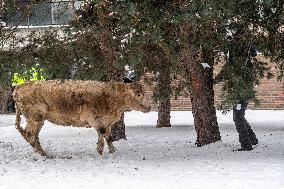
x=150, y=158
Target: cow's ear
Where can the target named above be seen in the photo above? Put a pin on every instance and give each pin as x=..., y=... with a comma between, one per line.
x=127, y=80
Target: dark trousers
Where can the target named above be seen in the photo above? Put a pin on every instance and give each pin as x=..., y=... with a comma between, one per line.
x=247, y=137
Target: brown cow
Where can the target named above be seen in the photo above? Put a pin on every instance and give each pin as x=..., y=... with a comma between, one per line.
x=77, y=103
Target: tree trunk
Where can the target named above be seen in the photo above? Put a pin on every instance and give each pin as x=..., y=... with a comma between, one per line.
x=164, y=113
x=202, y=95
x=115, y=74
x=164, y=87
x=247, y=137
x=118, y=130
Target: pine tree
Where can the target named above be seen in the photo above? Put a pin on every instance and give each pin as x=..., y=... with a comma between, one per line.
x=174, y=28
x=97, y=15
x=201, y=32
x=151, y=47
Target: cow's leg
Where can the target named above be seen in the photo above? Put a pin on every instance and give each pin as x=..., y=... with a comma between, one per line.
x=89, y=117
x=107, y=135
x=111, y=148
x=101, y=142
x=32, y=131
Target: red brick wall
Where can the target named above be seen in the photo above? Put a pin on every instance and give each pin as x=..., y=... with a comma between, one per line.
x=270, y=93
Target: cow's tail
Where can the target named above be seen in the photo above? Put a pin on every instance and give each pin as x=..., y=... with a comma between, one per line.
x=18, y=121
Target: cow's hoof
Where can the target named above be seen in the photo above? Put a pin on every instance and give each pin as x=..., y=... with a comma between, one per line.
x=41, y=152
x=242, y=149
x=111, y=150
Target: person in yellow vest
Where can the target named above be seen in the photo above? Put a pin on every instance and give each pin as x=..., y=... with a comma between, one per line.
x=18, y=79
x=32, y=75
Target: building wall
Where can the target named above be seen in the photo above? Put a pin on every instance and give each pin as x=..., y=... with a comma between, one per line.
x=270, y=93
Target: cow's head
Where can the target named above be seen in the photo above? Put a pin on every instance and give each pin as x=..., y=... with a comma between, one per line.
x=135, y=97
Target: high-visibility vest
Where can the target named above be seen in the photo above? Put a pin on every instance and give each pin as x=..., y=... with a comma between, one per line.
x=33, y=75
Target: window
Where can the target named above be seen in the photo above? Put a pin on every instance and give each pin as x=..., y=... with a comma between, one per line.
x=40, y=14
x=62, y=12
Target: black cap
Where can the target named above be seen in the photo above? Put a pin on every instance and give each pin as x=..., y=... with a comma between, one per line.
x=127, y=80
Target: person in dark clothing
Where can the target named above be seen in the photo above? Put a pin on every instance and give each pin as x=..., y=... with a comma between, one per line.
x=11, y=102
x=244, y=92
x=239, y=76
x=247, y=137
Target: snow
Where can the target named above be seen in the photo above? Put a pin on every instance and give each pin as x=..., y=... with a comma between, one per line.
x=151, y=158
x=205, y=65
x=239, y=107
x=197, y=15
